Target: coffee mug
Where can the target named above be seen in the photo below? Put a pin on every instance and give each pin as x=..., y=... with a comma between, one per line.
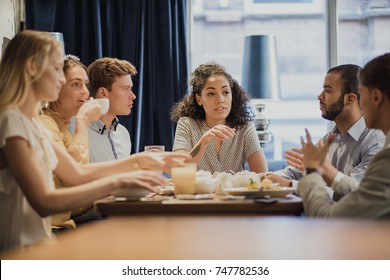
x=104, y=103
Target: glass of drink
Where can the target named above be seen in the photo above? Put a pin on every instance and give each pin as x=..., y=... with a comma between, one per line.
x=183, y=178
x=155, y=147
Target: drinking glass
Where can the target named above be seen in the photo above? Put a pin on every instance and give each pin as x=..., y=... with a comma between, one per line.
x=160, y=148
x=155, y=147
x=183, y=178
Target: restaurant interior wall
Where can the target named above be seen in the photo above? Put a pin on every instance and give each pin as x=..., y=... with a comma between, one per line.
x=10, y=14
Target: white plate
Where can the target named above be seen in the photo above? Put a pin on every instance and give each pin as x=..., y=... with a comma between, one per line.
x=131, y=193
x=194, y=196
x=282, y=192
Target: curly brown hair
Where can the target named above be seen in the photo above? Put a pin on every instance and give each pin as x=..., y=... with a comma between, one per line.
x=240, y=113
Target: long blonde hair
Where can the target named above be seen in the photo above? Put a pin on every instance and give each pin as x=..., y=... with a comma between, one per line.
x=15, y=81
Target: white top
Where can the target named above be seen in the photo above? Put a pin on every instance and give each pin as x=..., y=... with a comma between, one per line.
x=20, y=224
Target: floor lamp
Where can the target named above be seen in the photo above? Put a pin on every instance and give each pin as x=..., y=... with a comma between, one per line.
x=260, y=78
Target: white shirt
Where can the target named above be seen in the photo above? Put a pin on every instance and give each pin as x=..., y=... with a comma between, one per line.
x=20, y=224
x=106, y=144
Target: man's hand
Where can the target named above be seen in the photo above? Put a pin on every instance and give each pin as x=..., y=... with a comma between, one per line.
x=278, y=179
x=219, y=132
x=314, y=156
x=294, y=158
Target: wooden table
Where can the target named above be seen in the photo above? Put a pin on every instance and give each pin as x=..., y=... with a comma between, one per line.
x=189, y=237
x=288, y=206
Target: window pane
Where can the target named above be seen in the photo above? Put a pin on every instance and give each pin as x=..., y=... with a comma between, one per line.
x=363, y=30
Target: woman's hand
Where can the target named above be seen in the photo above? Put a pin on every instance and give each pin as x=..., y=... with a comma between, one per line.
x=143, y=178
x=294, y=158
x=219, y=132
x=160, y=160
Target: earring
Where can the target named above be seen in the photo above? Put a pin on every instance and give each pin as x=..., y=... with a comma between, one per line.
x=200, y=104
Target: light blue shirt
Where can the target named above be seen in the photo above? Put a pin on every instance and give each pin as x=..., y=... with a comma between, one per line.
x=106, y=143
x=349, y=153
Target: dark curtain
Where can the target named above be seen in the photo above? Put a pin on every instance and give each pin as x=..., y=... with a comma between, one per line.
x=150, y=34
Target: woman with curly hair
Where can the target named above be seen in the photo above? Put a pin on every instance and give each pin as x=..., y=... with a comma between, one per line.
x=214, y=124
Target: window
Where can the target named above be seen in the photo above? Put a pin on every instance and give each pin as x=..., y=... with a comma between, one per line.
x=219, y=28
x=363, y=30
x=218, y=32
x=283, y=7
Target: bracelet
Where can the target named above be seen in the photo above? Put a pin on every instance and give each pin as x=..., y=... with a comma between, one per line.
x=310, y=170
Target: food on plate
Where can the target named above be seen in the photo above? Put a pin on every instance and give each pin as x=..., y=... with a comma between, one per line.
x=267, y=184
x=252, y=184
x=261, y=183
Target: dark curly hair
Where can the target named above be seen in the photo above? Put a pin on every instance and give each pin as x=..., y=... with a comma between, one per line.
x=240, y=112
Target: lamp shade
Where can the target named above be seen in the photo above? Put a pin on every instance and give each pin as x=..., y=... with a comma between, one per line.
x=260, y=72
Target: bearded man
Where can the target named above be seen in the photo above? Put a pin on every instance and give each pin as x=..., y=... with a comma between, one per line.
x=354, y=145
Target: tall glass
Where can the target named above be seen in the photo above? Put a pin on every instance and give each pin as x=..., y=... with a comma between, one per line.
x=156, y=148
x=183, y=178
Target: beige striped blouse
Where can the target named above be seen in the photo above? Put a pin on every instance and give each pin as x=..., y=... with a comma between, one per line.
x=234, y=151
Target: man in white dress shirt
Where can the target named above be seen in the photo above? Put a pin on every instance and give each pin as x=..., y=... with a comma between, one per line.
x=355, y=144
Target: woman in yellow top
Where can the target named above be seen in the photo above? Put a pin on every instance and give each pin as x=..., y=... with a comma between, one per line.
x=72, y=101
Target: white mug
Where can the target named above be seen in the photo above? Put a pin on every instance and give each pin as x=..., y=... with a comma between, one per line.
x=104, y=103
